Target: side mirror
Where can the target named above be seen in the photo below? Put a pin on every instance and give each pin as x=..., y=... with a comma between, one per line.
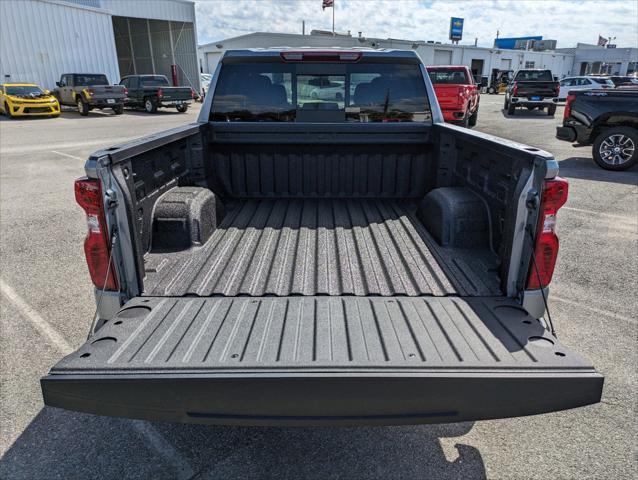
x=58, y=84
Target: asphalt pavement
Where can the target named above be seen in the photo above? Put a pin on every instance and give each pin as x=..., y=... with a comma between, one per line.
x=47, y=305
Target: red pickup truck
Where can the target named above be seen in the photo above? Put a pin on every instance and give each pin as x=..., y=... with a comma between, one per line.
x=456, y=92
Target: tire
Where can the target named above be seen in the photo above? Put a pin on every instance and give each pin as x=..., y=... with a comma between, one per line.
x=511, y=109
x=465, y=123
x=182, y=108
x=7, y=110
x=473, y=118
x=82, y=106
x=314, y=95
x=491, y=91
x=150, y=105
x=625, y=139
x=118, y=110
x=551, y=110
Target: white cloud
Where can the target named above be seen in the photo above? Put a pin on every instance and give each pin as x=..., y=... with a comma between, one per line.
x=568, y=21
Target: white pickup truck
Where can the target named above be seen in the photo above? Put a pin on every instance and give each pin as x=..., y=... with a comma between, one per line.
x=292, y=260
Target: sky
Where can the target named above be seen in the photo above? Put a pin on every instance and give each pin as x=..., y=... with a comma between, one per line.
x=568, y=21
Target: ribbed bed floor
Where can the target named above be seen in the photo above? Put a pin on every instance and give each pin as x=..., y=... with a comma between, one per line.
x=320, y=247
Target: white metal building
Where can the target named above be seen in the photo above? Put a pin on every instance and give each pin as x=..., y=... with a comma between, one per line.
x=41, y=39
x=482, y=61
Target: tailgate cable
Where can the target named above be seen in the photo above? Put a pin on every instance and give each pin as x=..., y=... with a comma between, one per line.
x=106, y=279
x=549, y=315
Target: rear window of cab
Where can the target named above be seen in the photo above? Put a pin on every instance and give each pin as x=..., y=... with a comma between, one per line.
x=449, y=77
x=289, y=92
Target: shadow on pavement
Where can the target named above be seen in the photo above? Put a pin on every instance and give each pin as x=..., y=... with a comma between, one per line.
x=525, y=114
x=61, y=444
x=160, y=111
x=585, y=168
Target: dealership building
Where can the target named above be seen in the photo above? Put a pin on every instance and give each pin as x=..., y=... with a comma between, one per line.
x=42, y=39
x=589, y=59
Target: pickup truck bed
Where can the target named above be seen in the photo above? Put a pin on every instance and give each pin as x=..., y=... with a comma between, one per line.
x=321, y=360
x=335, y=270
x=322, y=247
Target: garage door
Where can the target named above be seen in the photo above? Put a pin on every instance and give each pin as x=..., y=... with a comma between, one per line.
x=442, y=57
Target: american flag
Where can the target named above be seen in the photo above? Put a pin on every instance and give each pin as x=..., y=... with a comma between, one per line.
x=602, y=41
x=328, y=4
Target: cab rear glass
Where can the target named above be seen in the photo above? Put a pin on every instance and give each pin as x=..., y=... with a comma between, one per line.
x=535, y=75
x=154, y=81
x=448, y=77
x=326, y=92
x=90, y=80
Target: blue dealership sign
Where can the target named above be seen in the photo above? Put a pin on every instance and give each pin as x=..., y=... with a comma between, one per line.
x=456, y=28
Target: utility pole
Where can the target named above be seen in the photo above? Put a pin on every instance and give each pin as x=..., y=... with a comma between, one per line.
x=303, y=27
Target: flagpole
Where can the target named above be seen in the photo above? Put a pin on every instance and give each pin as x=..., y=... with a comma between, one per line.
x=333, y=18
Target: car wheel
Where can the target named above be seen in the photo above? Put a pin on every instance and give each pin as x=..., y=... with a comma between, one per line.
x=491, y=90
x=466, y=120
x=616, y=148
x=150, y=105
x=7, y=110
x=83, y=107
x=182, y=108
x=551, y=110
x=314, y=95
x=511, y=109
x=473, y=119
x=118, y=110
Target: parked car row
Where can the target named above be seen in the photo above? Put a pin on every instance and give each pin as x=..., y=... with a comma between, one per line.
x=88, y=91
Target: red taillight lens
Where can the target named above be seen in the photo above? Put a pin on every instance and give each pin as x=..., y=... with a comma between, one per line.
x=126, y=91
x=514, y=90
x=557, y=89
x=554, y=196
x=327, y=56
x=160, y=94
x=88, y=194
x=192, y=93
x=568, y=106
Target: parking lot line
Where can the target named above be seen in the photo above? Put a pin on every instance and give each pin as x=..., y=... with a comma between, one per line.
x=66, y=155
x=603, y=214
x=44, y=327
x=155, y=440
x=594, y=309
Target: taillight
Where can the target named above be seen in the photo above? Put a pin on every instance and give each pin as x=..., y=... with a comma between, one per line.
x=568, y=106
x=125, y=91
x=557, y=89
x=91, y=91
x=160, y=94
x=88, y=194
x=514, y=89
x=321, y=56
x=553, y=197
x=192, y=93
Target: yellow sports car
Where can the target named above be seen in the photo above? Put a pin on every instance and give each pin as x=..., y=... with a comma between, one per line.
x=26, y=100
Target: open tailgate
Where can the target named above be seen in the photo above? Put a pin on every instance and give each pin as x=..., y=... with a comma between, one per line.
x=321, y=361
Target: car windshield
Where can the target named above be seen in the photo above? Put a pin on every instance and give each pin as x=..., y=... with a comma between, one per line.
x=452, y=77
x=294, y=92
x=91, y=80
x=535, y=75
x=24, y=90
x=154, y=81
